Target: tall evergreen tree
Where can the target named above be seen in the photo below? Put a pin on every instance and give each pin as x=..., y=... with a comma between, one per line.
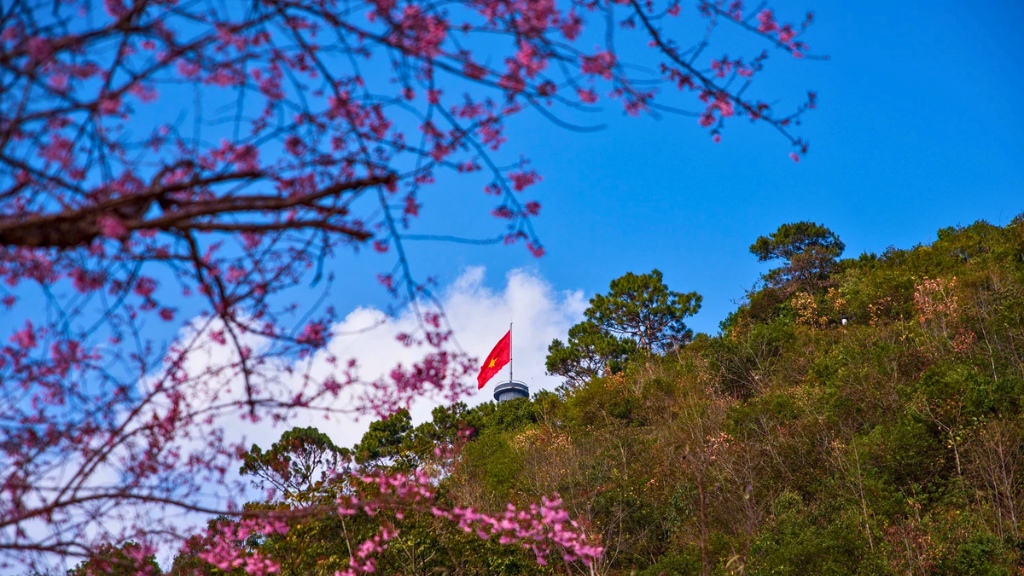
x=809, y=249
x=638, y=316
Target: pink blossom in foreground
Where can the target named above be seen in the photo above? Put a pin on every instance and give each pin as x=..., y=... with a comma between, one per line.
x=225, y=549
x=543, y=528
x=26, y=337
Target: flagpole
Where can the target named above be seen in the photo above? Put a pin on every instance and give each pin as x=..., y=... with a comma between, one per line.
x=509, y=351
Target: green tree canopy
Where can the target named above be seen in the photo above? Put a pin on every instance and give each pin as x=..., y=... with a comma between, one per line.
x=383, y=444
x=588, y=353
x=638, y=316
x=294, y=464
x=809, y=249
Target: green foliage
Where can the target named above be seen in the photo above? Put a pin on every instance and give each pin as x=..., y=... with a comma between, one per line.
x=641, y=308
x=677, y=563
x=603, y=400
x=382, y=445
x=746, y=359
x=799, y=544
x=981, y=555
x=513, y=415
x=787, y=444
x=589, y=353
x=299, y=460
x=754, y=418
x=493, y=463
x=809, y=249
x=792, y=240
x=638, y=317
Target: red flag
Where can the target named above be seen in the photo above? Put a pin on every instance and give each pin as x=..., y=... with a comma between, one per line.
x=496, y=360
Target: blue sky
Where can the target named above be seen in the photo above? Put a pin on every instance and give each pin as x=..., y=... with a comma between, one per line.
x=918, y=127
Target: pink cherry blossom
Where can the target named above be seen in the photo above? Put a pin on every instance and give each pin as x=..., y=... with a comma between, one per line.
x=26, y=337
x=600, y=64
x=112, y=226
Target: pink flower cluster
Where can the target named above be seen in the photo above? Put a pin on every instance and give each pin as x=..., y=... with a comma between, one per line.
x=785, y=33
x=600, y=64
x=224, y=545
x=364, y=561
x=541, y=528
x=721, y=103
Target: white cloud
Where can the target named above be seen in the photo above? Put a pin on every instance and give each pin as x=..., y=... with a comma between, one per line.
x=479, y=316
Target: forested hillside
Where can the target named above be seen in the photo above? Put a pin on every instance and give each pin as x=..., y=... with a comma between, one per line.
x=854, y=416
